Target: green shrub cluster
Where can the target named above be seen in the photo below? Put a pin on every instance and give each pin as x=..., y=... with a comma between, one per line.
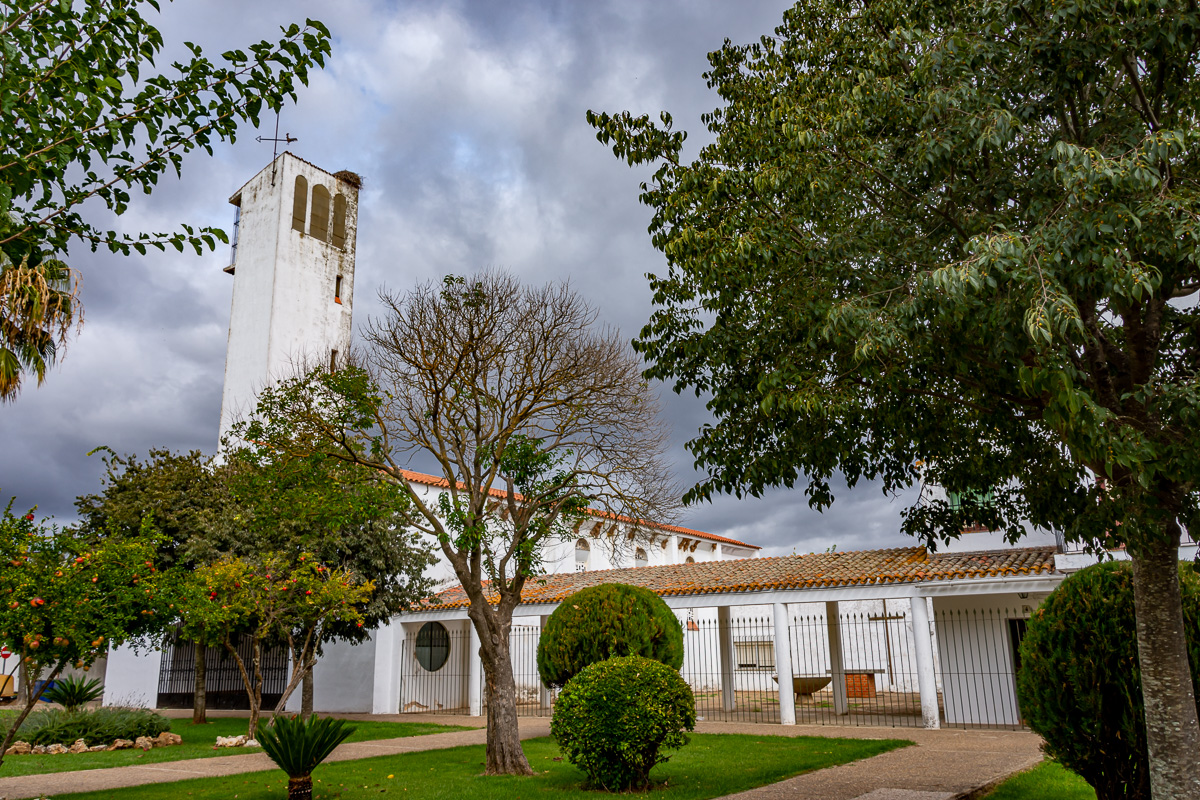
x=1080, y=684
x=614, y=719
x=95, y=726
x=604, y=621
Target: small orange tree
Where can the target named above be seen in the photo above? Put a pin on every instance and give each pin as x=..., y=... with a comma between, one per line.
x=65, y=601
x=270, y=599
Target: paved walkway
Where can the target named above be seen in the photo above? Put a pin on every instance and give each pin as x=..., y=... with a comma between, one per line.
x=943, y=765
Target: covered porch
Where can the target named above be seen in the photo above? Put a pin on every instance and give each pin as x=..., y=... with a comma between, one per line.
x=891, y=638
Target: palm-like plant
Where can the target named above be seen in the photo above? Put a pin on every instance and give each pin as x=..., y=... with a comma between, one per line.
x=72, y=692
x=38, y=306
x=298, y=746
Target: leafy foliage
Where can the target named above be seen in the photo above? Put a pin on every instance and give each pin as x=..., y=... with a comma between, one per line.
x=72, y=692
x=600, y=622
x=952, y=241
x=614, y=719
x=94, y=726
x=299, y=745
x=82, y=117
x=1080, y=683
x=183, y=495
x=271, y=599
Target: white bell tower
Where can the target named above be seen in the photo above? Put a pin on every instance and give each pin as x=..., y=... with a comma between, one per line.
x=293, y=277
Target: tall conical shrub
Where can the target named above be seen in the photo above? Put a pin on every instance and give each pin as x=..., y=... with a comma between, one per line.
x=605, y=621
x=1079, y=683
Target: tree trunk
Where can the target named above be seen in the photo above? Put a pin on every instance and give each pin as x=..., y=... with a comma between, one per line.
x=256, y=691
x=200, y=695
x=30, y=701
x=300, y=788
x=306, y=695
x=504, y=753
x=1172, y=731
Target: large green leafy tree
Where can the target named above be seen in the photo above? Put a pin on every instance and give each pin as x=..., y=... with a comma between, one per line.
x=65, y=599
x=83, y=116
x=345, y=515
x=963, y=233
x=184, y=498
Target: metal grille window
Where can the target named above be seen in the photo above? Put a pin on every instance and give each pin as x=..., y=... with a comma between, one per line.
x=755, y=655
x=433, y=646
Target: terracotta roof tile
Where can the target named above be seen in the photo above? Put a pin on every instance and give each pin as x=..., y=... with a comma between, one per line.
x=813, y=571
x=442, y=483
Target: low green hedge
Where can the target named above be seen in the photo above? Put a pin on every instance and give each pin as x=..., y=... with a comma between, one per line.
x=94, y=726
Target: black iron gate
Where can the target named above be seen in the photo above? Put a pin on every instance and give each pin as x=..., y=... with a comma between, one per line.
x=224, y=687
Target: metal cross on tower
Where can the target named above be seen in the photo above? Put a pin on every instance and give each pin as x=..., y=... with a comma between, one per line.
x=287, y=139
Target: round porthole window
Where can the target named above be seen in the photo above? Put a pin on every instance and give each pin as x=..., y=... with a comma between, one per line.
x=433, y=646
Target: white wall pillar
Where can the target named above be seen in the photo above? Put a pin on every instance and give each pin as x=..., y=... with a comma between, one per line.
x=385, y=697
x=725, y=647
x=132, y=677
x=543, y=691
x=923, y=650
x=474, y=673
x=783, y=665
x=837, y=668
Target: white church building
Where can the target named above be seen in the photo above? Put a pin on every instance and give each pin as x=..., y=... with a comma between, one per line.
x=883, y=637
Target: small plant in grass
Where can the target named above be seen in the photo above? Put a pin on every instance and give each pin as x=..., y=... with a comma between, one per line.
x=615, y=718
x=605, y=621
x=298, y=746
x=72, y=692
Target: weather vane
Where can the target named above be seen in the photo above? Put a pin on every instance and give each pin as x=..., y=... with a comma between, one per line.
x=287, y=139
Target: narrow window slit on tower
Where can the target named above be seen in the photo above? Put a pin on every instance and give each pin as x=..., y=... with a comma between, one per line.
x=299, y=203
x=333, y=360
x=318, y=225
x=337, y=289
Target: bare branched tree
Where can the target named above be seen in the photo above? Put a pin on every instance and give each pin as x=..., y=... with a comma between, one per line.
x=537, y=417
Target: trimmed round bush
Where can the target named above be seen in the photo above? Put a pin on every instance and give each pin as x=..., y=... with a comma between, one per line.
x=615, y=718
x=600, y=622
x=1080, y=683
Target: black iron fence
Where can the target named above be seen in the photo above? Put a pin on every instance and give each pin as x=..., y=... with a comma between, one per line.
x=224, y=686
x=975, y=662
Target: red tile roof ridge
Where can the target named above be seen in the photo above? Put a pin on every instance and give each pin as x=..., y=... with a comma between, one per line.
x=434, y=480
x=864, y=567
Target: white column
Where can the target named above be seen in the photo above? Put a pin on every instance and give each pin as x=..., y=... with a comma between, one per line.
x=725, y=646
x=474, y=673
x=923, y=650
x=543, y=691
x=385, y=695
x=837, y=669
x=783, y=666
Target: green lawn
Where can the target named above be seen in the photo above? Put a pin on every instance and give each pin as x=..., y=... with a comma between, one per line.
x=1047, y=780
x=198, y=741
x=711, y=766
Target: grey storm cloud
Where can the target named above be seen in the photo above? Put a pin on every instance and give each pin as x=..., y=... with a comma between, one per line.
x=467, y=121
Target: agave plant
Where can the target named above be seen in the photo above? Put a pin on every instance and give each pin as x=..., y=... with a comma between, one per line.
x=298, y=746
x=72, y=692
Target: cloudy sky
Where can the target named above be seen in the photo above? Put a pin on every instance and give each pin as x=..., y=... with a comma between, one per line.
x=466, y=120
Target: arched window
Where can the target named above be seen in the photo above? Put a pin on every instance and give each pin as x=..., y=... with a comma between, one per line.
x=690, y=560
x=318, y=225
x=339, y=220
x=433, y=646
x=639, y=558
x=583, y=551
x=337, y=289
x=299, y=203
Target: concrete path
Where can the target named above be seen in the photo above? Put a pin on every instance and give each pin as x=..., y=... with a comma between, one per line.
x=943, y=765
